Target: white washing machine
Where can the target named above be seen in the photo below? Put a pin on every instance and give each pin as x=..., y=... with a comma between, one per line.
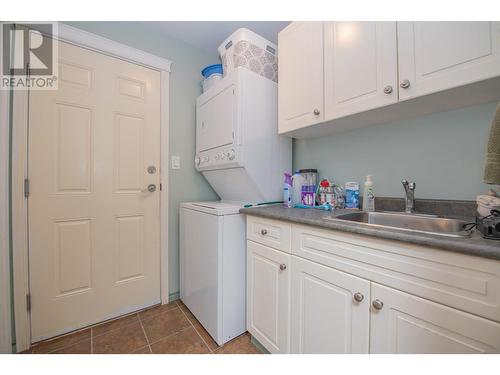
x=212, y=266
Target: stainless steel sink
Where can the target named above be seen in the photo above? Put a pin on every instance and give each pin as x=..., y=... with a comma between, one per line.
x=408, y=222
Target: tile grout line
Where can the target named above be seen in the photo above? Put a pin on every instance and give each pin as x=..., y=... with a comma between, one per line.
x=192, y=325
x=91, y=328
x=145, y=334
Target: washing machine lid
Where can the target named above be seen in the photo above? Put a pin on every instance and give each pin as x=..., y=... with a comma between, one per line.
x=217, y=208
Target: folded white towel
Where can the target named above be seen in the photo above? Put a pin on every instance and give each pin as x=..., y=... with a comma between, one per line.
x=485, y=203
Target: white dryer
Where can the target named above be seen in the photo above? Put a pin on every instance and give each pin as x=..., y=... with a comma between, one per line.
x=238, y=148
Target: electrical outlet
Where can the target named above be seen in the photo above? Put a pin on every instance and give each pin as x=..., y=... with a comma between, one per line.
x=176, y=162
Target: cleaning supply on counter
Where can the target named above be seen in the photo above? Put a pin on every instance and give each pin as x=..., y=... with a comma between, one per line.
x=308, y=190
x=352, y=195
x=325, y=192
x=297, y=182
x=287, y=191
x=368, y=194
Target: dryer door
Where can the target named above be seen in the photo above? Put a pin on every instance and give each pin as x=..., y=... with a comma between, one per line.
x=216, y=120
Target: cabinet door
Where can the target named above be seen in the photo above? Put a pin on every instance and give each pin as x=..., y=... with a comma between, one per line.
x=435, y=56
x=268, y=287
x=409, y=324
x=360, y=67
x=300, y=69
x=325, y=315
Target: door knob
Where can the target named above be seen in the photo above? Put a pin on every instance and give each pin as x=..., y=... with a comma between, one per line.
x=388, y=89
x=151, y=188
x=358, y=297
x=282, y=267
x=151, y=169
x=263, y=232
x=377, y=304
x=404, y=84
x=316, y=112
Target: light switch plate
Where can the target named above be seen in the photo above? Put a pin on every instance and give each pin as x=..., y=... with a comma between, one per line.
x=176, y=162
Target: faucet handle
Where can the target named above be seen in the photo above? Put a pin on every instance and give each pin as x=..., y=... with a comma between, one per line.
x=412, y=185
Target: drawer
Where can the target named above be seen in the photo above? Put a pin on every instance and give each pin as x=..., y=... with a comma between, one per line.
x=461, y=281
x=272, y=233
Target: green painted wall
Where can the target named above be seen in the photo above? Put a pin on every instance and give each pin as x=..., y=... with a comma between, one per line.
x=443, y=152
x=185, y=184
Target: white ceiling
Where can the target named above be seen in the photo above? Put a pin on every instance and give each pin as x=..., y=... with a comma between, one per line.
x=208, y=35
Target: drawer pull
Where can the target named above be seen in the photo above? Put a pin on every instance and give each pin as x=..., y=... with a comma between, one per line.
x=358, y=297
x=263, y=232
x=282, y=266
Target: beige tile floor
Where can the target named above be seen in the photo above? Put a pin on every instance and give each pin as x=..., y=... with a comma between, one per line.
x=162, y=329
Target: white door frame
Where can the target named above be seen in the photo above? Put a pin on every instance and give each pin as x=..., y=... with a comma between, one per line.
x=5, y=300
x=20, y=170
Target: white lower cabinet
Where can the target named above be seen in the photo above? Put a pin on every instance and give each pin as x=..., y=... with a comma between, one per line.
x=268, y=288
x=408, y=324
x=342, y=293
x=330, y=310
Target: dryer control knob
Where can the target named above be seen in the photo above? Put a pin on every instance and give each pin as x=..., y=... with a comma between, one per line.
x=231, y=155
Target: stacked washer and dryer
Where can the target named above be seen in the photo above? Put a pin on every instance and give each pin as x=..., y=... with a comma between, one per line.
x=239, y=152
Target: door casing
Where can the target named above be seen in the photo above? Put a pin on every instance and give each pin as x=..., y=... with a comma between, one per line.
x=20, y=170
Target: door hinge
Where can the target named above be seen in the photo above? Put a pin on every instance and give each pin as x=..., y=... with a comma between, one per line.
x=26, y=188
x=28, y=302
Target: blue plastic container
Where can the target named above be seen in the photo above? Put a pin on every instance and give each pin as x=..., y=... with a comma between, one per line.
x=211, y=69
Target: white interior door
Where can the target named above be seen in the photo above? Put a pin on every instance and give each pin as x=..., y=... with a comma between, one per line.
x=94, y=232
x=435, y=56
x=412, y=325
x=361, y=66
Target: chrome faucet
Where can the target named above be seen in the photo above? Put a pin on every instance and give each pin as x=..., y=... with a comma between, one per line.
x=409, y=196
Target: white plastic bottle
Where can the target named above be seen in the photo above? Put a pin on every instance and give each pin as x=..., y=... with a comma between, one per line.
x=287, y=191
x=297, y=181
x=368, y=195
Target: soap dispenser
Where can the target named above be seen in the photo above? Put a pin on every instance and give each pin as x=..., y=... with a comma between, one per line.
x=368, y=195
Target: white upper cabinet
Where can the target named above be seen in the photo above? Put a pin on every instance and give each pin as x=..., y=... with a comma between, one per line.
x=435, y=56
x=360, y=67
x=300, y=83
x=330, y=310
x=336, y=76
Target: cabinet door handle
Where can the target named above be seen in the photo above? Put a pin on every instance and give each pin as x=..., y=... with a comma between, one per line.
x=388, y=89
x=316, y=112
x=404, y=84
x=263, y=232
x=282, y=266
x=358, y=297
x=377, y=304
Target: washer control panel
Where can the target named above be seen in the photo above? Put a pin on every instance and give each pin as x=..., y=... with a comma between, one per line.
x=216, y=159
